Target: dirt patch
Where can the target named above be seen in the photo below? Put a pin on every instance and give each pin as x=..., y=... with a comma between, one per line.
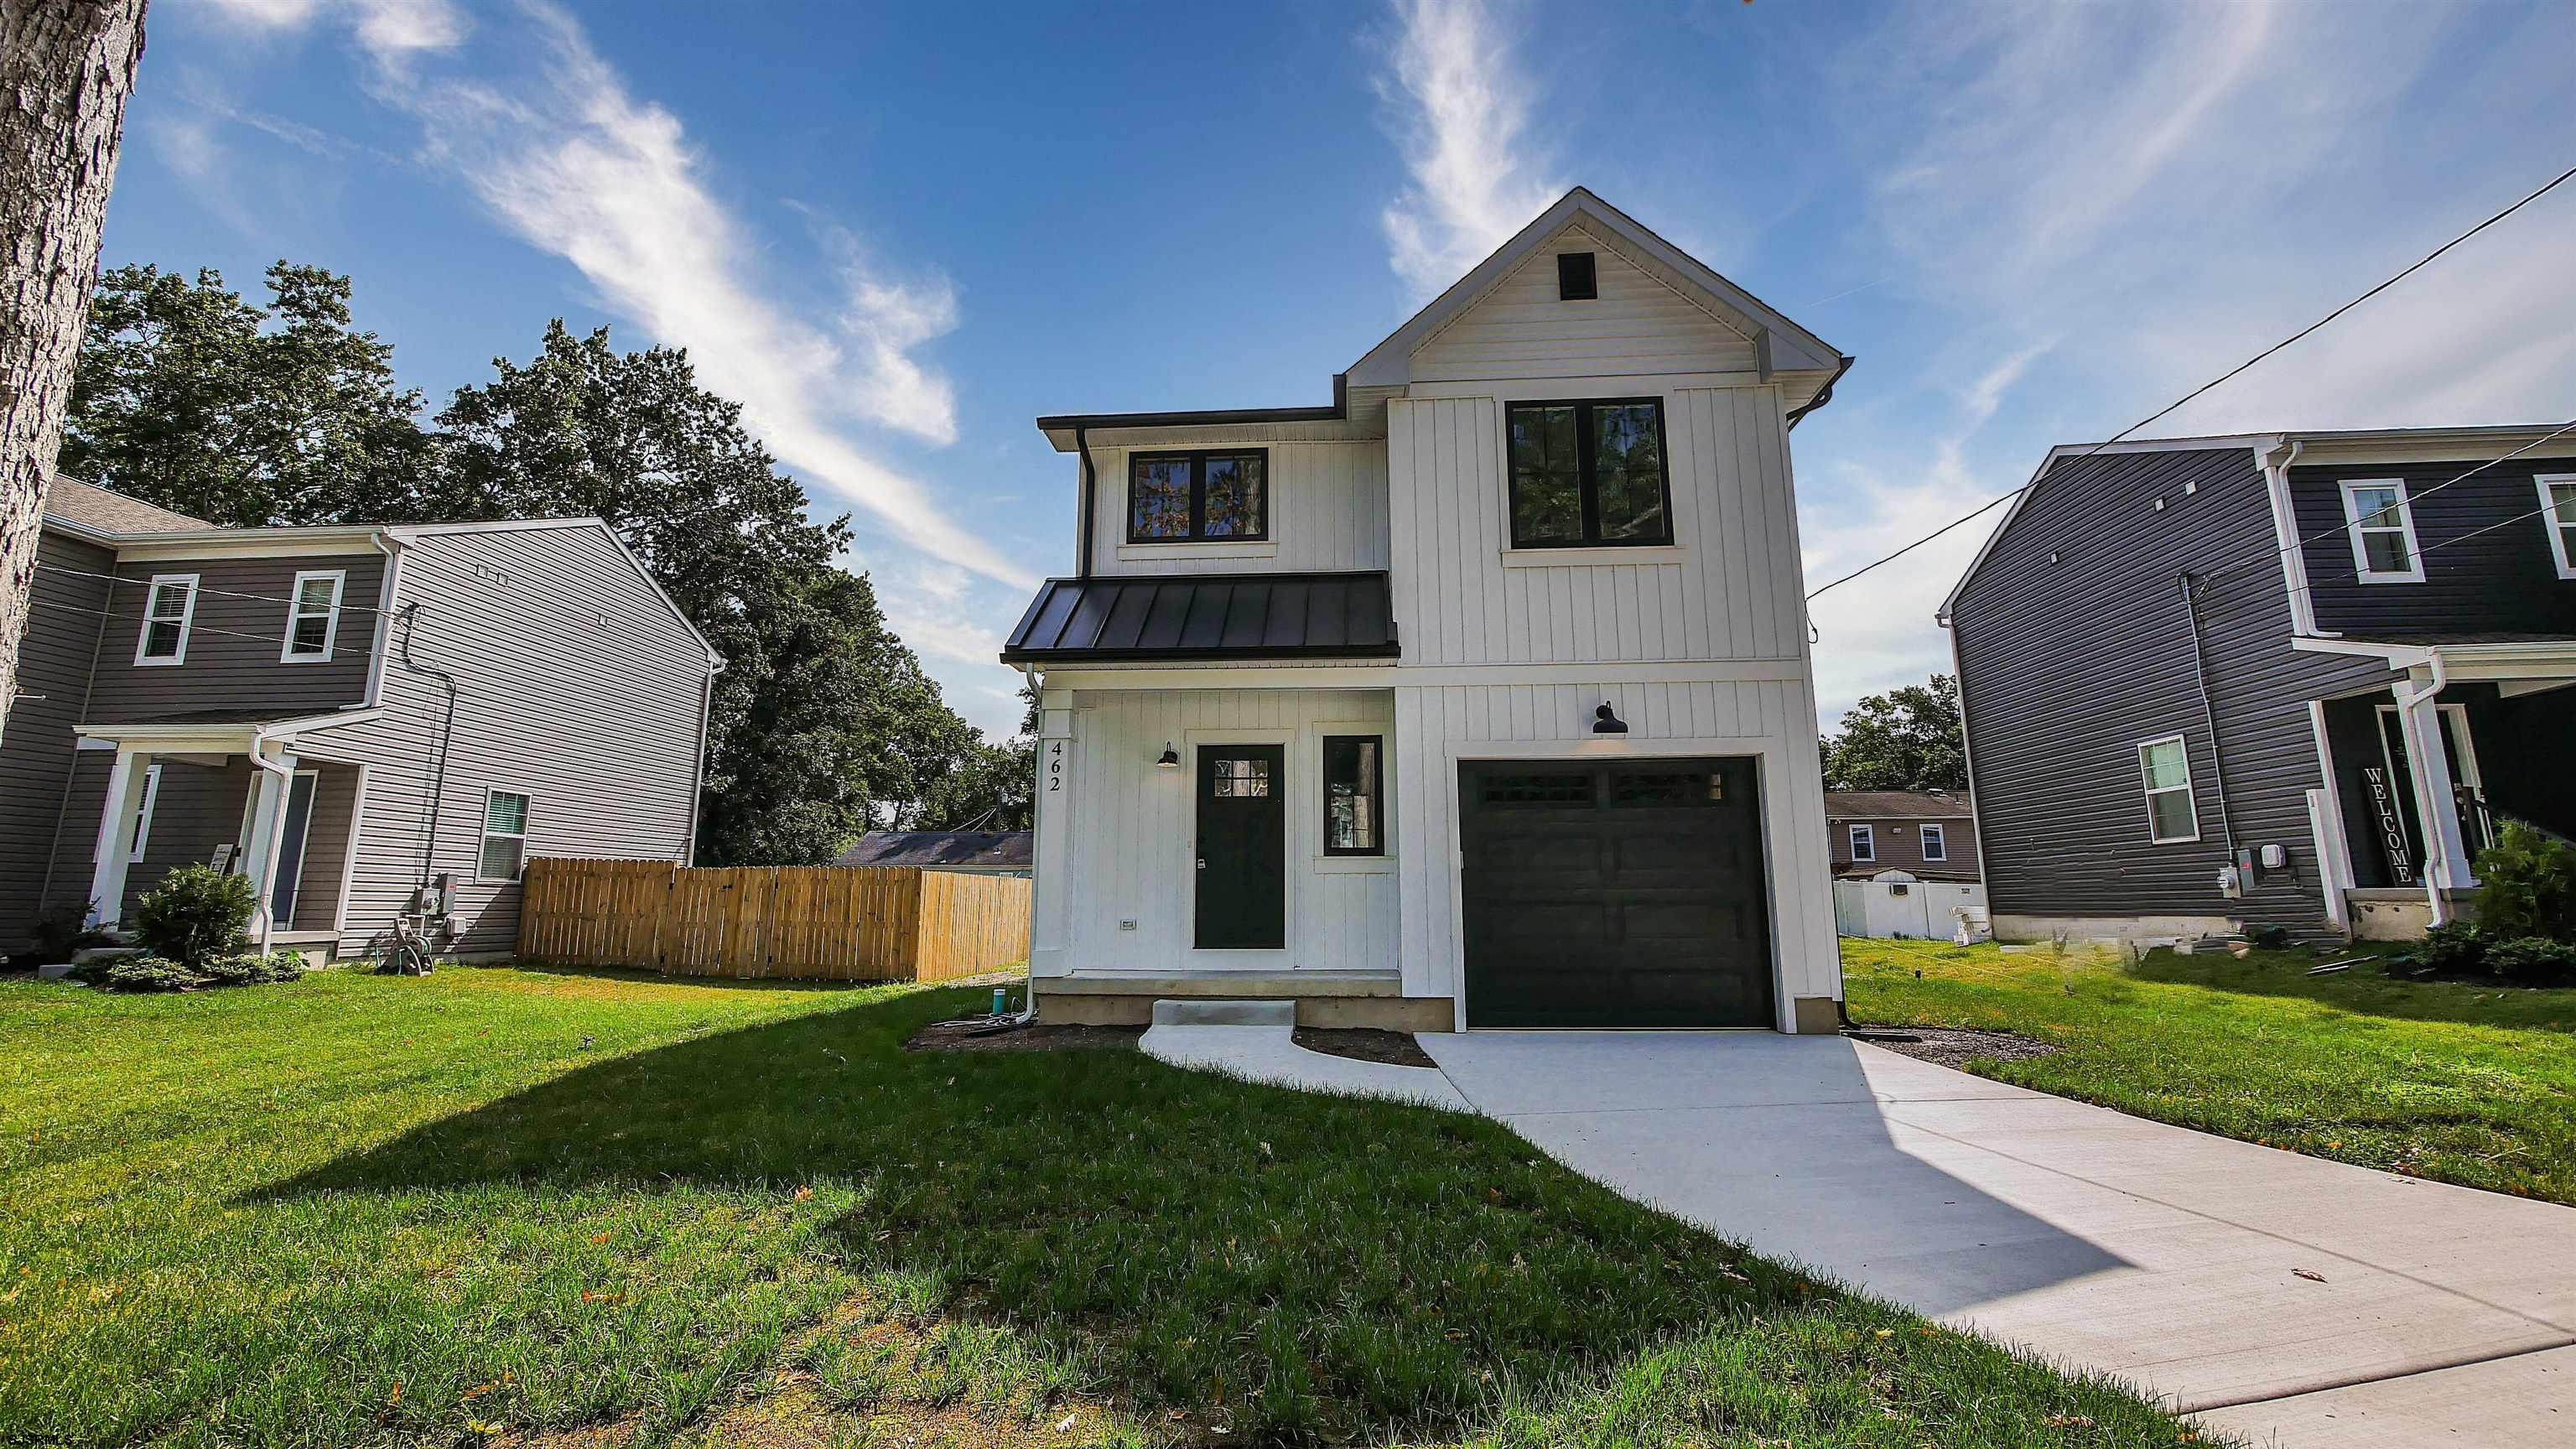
x=1955, y=1046
x=976, y=1034
x=1365, y=1044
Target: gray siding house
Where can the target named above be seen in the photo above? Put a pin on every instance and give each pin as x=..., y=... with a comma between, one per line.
x=2288, y=679
x=345, y=714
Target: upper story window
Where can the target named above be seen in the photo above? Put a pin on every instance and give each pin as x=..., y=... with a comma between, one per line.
x=2164, y=768
x=2558, y=495
x=1186, y=497
x=1576, y=281
x=1864, y=843
x=313, y=618
x=1936, y=843
x=169, y=609
x=2383, y=531
x=1588, y=474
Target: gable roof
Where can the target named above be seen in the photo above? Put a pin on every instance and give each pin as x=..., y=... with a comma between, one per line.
x=1897, y=805
x=1783, y=345
x=103, y=510
x=990, y=849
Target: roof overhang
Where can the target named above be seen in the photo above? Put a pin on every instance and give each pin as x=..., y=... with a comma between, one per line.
x=223, y=737
x=1062, y=429
x=2497, y=662
x=1205, y=618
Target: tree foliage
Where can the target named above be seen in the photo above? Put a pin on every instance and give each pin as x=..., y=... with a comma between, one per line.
x=1905, y=739
x=822, y=724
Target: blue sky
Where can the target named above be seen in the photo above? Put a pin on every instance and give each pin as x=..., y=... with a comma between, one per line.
x=899, y=234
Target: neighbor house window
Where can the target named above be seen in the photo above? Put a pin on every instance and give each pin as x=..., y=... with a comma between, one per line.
x=2558, y=495
x=2383, y=531
x=1864, y=843
x=169, y=608
x=1936, y=845
x=313, y=618
x=2164, y=767
x=505, y=836
x=141, y=840
x=1354, y=791
x=1588, y=473
x=1187, y=497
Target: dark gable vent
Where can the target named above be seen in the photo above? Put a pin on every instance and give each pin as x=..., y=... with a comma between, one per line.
x=1574, y=279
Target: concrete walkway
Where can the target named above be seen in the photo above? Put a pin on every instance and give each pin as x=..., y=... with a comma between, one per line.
x=2288, y=1299
x=1267, y=1054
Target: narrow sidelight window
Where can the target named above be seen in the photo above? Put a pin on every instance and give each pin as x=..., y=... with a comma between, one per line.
x=169, y=609
x=2164, y=767
x=1864, y=843
x=1193, y=497
x=1354, y=786
x=141, y=840
x=505, y=836
x=313, y=619
x=1576, y=280
x=1936, y=843
x=2558, y=495
x=2383, y=531
x=1588, y=474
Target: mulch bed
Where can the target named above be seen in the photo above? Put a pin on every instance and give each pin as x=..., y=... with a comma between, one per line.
x=1954, y=1046
x=1364, y=1044
x=976, y=1034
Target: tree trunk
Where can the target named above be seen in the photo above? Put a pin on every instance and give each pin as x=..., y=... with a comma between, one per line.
x=66, y=67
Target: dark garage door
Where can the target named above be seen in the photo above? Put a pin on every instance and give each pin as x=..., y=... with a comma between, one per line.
x=1614, y=895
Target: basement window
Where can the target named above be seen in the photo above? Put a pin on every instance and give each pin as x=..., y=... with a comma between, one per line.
x=2164, y=769
x=1576, y=281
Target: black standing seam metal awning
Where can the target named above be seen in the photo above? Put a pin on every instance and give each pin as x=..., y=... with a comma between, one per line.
x=1145, y=618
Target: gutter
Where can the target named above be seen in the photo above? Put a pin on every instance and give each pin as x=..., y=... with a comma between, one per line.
x=1090, y=490
x=259, y=759
x=1823, y=395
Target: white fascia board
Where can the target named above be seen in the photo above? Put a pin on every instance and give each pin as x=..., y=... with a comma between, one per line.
x=245, y=543
x=2429, y=445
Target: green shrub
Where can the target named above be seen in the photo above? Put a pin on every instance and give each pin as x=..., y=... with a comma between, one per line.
x=59, y=936
x=254, y=970
x=137, y=973
x=2533, y=961
x=2457, y=949
x=195, y=915
x=2527, y=886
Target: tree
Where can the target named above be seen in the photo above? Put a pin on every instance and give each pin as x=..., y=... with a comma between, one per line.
x=993, y=787
x=1905, y=739
x=187, y=400
x=66, y=69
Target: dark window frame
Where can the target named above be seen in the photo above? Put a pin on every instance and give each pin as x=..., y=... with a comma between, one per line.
x=1376, y=795
x=1578, y=277
x=1197, y=459
x=1587, y=474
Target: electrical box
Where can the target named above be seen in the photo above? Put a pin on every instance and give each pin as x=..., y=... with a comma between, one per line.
x=2231, y=883
x=2274, y=857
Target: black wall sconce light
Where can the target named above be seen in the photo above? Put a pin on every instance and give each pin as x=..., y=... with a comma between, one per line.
x=1606, y=723
x=1171, y=759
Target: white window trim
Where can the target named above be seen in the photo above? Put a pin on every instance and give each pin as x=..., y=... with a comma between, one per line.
x=187, y=621
x=1936, y=842
x=331, y=622
x=141, y=840
x=2413, y=573
x=1864, y=844
x=486, y=834
x=2189, y=791
x=2558, y=520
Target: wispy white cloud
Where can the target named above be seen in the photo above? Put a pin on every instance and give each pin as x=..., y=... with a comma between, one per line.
x=1460, y=106
x=561, y=153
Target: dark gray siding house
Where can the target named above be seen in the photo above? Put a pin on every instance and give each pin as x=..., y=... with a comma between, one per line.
x=2223, y=682
x=1928, y=834
x=345, y=714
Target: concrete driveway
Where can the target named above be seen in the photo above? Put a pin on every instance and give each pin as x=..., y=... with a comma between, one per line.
x=2288, y=1299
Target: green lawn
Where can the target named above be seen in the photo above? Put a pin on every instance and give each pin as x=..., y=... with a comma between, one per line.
x=2463, y=1083
x=512, y=1206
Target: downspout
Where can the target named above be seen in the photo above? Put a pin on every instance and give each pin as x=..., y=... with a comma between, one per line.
x=1028, y=1013
x=276, y=834
x=1823, y=395
x=2209, y=713
x=2407, y=698
x=446, y=737
x=698, y=787
x=1090, y=487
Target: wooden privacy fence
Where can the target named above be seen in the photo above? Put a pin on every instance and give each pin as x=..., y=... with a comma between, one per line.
x=815, y=922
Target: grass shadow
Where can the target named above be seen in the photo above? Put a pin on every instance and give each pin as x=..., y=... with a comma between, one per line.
x=2365, y=989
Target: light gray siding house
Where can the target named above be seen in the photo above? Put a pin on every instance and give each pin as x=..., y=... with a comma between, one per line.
x=345, y=714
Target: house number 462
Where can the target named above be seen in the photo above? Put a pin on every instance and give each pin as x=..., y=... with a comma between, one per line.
x=1055, y=767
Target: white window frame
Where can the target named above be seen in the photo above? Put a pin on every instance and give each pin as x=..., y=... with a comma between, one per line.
x=1936, y=842
x=295, y=612
x=2189, y=793
x=1864, y=844
x=187, y=620
x=141, y=839
x=2559, y=519
x=2413, y=573
x=486, y=835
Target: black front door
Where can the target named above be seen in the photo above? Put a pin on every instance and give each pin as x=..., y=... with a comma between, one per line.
x=1243, y=848
x=1614, y=894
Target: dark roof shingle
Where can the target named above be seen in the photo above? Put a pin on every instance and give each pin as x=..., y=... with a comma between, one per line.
x=1896, y=805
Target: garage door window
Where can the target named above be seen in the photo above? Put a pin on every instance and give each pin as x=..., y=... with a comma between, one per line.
x=1551, y=789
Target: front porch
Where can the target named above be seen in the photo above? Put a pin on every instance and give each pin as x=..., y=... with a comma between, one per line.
x=147, y=799
x=2422, y=776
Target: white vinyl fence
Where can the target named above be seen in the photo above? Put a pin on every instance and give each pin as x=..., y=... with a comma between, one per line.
x=1894, y=903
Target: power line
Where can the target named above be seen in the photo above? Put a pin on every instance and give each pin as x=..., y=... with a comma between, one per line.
x=2420, y=263
x=204, y=589
x=2559, y=517
x=193, y=627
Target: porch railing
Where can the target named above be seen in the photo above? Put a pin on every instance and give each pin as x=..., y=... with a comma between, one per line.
x=2477, y=822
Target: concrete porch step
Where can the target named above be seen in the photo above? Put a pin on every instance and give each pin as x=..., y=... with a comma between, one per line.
x=1203, y=1012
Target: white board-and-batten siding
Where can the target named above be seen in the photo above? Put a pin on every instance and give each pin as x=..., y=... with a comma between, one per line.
x=1327, y=507
x=1635, y=326
x=1133, y=826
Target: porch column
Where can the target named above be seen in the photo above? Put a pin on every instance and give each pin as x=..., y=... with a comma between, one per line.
x=125, y=782
x=1050, y=901
x=2446, y=855
x=259, y=853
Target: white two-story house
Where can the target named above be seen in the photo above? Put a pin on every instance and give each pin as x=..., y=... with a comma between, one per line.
x=1477, y=698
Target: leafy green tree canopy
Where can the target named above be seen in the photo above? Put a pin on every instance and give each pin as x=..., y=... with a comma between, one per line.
x=1905, y=739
